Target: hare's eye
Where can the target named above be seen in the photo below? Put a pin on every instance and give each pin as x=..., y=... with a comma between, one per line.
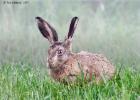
x=59, y=52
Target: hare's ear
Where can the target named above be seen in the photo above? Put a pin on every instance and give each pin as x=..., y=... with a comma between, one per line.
x=68, y=39
x=72, y=27
x=46, y=30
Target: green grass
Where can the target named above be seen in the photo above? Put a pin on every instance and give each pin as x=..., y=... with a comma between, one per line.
x=24, y=82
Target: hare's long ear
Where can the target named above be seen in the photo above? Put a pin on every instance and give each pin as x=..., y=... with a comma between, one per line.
x=72, y=27
x=73, y=24
x=46, y=30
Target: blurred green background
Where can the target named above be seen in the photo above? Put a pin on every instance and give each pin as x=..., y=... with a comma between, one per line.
x=110, y=27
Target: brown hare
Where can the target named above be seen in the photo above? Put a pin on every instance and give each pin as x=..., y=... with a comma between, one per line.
x=64, y=65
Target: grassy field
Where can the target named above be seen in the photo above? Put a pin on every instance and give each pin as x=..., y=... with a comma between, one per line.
x=114, y=32
x=22, y=82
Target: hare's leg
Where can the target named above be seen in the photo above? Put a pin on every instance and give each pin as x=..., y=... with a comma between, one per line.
x=98, y=80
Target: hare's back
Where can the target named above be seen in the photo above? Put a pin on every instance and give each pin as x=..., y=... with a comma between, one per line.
x=97, y=62
x=90, y=58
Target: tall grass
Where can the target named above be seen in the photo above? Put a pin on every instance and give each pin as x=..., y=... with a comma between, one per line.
x=23, y=82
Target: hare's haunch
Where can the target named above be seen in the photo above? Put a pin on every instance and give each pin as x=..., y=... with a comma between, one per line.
x=66, y=65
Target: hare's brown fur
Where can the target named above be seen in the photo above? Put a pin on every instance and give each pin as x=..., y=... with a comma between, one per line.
x=65, y=65
x=90, y=64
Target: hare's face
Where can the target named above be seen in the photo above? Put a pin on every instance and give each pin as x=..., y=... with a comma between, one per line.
x=58, y=53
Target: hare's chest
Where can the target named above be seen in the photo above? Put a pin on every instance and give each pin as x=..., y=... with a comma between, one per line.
x=58, y=75
x=68, y=73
